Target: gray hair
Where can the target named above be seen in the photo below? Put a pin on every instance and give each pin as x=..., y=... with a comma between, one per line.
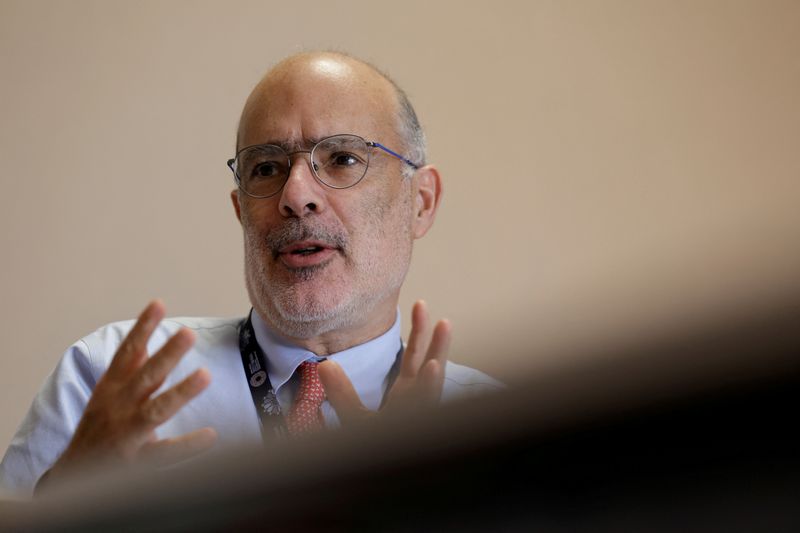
x=408, y=127
x=410, y=131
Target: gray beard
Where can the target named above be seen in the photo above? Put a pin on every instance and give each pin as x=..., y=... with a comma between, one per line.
x=277, y=303
x=310, y=318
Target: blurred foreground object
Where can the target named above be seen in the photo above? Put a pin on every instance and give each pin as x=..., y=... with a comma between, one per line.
x=693, y=432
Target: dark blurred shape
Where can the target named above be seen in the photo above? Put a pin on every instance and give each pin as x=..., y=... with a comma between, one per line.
x=690, y=432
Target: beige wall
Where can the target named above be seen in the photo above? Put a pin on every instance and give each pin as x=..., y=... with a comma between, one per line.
x=610, y=166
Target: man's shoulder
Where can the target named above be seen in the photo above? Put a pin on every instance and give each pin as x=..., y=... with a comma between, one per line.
x=464, y=382
x=169, y=325
x=104, y=341
x=204, y=327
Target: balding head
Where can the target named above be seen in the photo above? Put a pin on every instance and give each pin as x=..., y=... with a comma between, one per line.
x=334, y=75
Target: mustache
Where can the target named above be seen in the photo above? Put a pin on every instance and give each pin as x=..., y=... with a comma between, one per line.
x=295, y=229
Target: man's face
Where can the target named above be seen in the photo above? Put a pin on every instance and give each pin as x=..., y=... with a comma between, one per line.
x=321, y=259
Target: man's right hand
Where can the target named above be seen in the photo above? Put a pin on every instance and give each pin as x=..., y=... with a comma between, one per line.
x=119, y=422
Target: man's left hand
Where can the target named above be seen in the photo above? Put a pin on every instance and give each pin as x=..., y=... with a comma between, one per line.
x=418, y=385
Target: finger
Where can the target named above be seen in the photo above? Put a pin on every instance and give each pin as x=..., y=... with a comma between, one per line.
x=431, y=382
x=440, y=343
x=133, y=350
x=415, y=350
x=156, y=369
x=341, y=393
x=161, y=408
x=170, y=451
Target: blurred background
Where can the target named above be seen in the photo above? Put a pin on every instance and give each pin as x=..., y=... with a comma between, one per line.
x=611, y=169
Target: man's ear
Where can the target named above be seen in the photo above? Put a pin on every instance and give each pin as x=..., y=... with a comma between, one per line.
x=236, y=205
x=427, y=198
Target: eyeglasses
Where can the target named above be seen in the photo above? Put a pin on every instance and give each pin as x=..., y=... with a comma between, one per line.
x=339, y=161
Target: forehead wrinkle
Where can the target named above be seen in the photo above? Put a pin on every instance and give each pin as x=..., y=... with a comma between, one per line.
x=293, y=145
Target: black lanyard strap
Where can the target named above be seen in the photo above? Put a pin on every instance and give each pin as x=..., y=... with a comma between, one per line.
x=255, y=368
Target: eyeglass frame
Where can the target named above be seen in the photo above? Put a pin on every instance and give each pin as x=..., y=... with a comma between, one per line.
x=369, y=144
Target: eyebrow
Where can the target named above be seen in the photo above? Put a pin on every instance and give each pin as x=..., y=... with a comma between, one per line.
x=293, y=146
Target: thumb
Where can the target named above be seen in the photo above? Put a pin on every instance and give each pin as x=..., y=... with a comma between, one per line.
x=341, y=393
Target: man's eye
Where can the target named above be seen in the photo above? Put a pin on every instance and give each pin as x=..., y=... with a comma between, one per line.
x=265, y=170
x=344, y=159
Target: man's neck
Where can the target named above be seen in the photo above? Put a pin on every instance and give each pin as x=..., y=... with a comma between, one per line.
x=341, y=339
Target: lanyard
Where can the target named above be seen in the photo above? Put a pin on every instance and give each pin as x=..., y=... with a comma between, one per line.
x=254, y=362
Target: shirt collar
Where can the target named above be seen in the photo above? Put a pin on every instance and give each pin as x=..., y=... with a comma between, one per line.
x=366, y=365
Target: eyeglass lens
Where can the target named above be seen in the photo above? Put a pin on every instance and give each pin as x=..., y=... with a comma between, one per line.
x=339, y=162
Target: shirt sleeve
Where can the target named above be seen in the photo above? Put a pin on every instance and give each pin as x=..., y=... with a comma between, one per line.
x=50, y=422
x=462, y=382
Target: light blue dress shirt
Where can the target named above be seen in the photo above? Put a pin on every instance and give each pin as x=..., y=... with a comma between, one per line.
x=226, y=405
x=367, y=365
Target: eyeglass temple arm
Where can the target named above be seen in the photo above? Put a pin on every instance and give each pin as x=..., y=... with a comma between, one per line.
x=392, y=152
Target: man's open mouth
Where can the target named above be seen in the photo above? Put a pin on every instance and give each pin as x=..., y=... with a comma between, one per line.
x=306, y=247
x=305, y=254
x=307, y=251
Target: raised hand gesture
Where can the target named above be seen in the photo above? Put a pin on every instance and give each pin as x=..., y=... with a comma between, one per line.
x=419, y=383
x=119, y=422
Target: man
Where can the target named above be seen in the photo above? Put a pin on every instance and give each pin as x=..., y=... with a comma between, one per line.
x=332, y=191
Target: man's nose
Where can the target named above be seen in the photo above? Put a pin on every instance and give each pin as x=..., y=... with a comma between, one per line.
x=302, y=194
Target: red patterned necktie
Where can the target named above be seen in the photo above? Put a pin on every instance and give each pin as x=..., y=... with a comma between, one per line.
x=305, y=416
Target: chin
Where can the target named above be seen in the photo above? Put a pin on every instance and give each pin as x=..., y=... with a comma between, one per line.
x=310, y=321
x=300, y=327
x=303, y=314
x=304, y=309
